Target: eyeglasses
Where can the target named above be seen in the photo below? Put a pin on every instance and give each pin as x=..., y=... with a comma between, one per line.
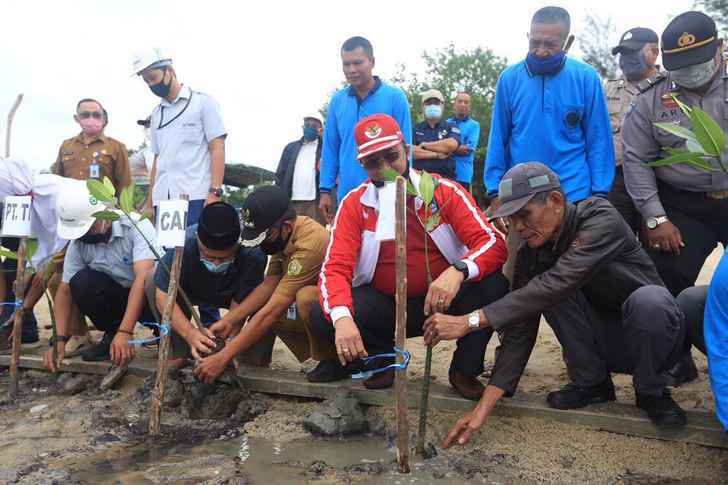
x=375, y=160
x=547, y=45
x=97, y=115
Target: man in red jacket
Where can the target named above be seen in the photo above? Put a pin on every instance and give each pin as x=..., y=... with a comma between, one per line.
x=357, y=281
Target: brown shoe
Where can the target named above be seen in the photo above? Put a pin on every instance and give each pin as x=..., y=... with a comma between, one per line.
x=467, y=386
x=382, y=380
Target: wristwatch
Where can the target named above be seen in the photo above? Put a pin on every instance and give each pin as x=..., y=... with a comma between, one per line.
x=474, y=320
x=653, y=222
x=58, y=338
x=463, y=268
x=216, y=191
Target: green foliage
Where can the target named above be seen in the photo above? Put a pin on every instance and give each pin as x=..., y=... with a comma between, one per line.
x=595, y=44
x=106, y=215
x=705, y=142
x=6, y=253
x=453, y=70
x=126, y=199
x=391, y=175
x=100, y=191
x=31, y=247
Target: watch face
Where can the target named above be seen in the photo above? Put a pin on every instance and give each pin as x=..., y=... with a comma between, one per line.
x=651, y=223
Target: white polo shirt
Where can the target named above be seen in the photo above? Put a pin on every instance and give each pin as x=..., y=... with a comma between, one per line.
x=304, y=187
x=180, y=132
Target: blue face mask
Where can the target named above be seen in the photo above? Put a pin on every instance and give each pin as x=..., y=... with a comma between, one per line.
x=309, y=134
x=215, y=268
x=545, y=65
x=433, y=111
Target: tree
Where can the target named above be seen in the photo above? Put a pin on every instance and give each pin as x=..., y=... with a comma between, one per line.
x=718, y=9
x=451, y=70
x=596, y=45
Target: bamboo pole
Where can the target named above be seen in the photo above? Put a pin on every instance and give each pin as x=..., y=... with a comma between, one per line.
x=400, y=381
x=18, y=319
x=8, y=127
x=164, y=342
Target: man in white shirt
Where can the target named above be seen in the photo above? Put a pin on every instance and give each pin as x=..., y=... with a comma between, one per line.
x=298, y=169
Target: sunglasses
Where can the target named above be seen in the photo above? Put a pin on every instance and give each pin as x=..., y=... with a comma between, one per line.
x=375, y=160
x=97, y=115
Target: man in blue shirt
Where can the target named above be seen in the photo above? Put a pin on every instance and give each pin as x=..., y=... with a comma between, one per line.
x=706, y=313
x=551, y=109
x=469, y=136
x=366, y=95
x=435, y=140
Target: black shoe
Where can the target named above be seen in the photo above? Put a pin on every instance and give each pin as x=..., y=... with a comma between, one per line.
x=328, y=371
x=574, y=396
x=29, y=333
x=99, y=352
x=682, y=372
x=663, y=411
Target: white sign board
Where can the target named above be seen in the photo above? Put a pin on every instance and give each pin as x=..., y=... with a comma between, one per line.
x=16, y=216
x=171, y=223
x=385, y=218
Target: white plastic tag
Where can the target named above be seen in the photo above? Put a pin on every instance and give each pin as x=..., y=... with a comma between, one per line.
x=16, y=216
x=292, y=312
x=172, y=223
x=385, y=219
x=94, y=171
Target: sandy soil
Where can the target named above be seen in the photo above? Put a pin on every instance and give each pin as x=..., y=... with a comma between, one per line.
x=534, y=449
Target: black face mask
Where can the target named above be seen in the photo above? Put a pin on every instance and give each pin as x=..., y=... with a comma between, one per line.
x=160, y=89
x=93, y=238
x=275, y=246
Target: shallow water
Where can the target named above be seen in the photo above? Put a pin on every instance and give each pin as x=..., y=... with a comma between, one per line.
x=264, y=461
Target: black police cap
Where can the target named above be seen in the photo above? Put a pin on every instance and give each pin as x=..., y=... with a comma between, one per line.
x=689, y=39
x=634, y=39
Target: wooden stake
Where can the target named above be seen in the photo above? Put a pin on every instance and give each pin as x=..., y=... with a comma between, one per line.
x=18, y=319
x=164, y=342
x=400, y=381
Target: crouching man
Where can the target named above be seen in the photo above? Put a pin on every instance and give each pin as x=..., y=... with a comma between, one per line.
x=103, y=273
x=282, y=302
x=357, y=283
x=216, y=271
x=583, y=269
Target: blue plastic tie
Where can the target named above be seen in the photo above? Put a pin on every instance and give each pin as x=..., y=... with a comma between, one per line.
x=16, y=304
x=163, y=330
x=369, y=373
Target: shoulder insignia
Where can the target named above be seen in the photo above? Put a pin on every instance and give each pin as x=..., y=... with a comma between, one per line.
x=294, y=268
x=650, y=83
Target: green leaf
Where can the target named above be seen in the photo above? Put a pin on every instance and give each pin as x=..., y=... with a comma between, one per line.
x=708, y=132
x=432, y=222
x=694, y=146
x=676, y=130
x=679, y=158
x=106, y=215
x=427, y=188
x=99, y=190
x=126, y=199
x=701, y=164
x=109, y=186
x=411, y=189
x=6, y=253
x=31, y=247
x=389, y=174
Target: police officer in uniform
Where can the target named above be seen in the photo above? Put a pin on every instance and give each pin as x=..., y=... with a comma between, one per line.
x=435, y=140
x=638, y=50
x=685, y=209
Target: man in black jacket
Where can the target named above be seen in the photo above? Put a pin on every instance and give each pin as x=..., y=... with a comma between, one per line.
x=583, y=269
x=298, y=170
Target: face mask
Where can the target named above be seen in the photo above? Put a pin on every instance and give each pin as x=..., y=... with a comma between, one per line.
x=433, y=111
x=692, y=77
x=92, y=238
x=91, y=126
x=215, y=268
x=633, y=65
x=160, y=89
x=545, y=65
x=274, y=247
x=309, y=134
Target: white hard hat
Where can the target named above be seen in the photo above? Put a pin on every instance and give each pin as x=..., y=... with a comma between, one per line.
x=314, y=116
x=75, y=207
x=151, y=56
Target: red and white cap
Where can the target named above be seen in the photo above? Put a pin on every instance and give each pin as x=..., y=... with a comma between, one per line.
x=376, y=133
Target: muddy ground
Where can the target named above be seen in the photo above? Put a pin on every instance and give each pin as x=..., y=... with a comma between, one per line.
x=70, y=432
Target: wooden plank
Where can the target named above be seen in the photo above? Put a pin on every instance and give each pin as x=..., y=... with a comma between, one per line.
x=17, y=318
x=702, y=429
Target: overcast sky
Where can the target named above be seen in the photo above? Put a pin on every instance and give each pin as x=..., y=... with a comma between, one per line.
x=267, y=63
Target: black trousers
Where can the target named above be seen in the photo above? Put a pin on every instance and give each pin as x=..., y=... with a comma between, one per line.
x=692, y=303
x=703, y=223
x=621, y=201
x=102, y=299
x=374, y=314
x=644, y=339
